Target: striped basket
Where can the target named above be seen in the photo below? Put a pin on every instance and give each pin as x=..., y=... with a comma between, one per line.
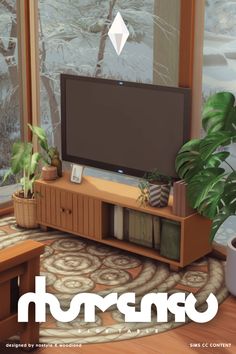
x=159, y=195
x=25, y=212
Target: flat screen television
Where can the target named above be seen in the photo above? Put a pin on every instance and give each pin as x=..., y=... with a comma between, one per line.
x=126, y=127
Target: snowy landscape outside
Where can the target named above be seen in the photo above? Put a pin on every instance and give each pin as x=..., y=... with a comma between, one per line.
x=9, y=100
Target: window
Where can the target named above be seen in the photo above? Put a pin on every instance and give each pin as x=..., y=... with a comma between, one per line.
x=9, y=101
x=219, y=71
x=73, y=40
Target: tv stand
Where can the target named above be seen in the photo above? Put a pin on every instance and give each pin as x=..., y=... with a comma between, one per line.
x=84, y=210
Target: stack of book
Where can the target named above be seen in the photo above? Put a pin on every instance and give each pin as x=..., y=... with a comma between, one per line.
x=147, y=230
x=134, y=226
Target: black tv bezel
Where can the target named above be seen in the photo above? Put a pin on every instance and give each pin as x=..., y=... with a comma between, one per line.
x=107, y=166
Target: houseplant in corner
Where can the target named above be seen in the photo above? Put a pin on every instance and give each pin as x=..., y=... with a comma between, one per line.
x=24, y=164
x=203, y=164
x=155, y=189
x=53, y=168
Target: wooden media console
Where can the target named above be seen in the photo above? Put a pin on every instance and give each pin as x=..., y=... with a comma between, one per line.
x=84, y=210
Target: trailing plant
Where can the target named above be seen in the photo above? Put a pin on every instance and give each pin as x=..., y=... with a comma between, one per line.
x=152, y=177
x=155, y=177
x=144, y=193
x=24, y=163
x=203, y=163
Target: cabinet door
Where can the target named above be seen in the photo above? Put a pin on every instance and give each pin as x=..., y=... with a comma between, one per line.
x=87, y=216
x=69, y=211
x=54, y=206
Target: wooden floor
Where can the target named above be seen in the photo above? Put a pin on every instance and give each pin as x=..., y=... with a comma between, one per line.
x=220, y=330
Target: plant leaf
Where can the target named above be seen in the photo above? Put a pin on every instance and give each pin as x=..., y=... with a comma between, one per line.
x=189, y=161
x=217, y=159
x=229, y=204
x=6, y=176
x=197, y=155
x=219, y=113
x=41, y=135
x=202, y=184
x=21, y=155
x=34, y=162
x=230, y=186
x=220, y=218
x=213, y=141
x=211, y=204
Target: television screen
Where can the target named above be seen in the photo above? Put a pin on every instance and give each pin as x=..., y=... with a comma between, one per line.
x=126, y=127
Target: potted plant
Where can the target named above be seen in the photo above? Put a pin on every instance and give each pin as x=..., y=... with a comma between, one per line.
x=155, y=189
x=204, y=165
x=24, y=163
x=53, y=168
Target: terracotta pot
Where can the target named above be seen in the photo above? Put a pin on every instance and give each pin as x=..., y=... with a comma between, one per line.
x=25, y=212
x=159, y=195
x=230, y=269
x=49, y=173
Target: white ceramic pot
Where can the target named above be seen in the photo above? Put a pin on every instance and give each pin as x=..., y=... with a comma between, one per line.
x=230, y=269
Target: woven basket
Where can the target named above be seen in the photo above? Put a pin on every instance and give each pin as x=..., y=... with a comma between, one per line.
x=25, y=212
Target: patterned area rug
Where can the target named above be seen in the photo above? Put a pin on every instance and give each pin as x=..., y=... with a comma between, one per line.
x=73, y=265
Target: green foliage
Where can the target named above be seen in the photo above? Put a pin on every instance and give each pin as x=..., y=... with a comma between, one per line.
x=41, y=135
x=205, y=189
x=25, y=163
x=228, y=203
x=144, y=193
x=155, y=177
x=219, y=113
x=199, y=154
x=200, y=162
x=50, y=151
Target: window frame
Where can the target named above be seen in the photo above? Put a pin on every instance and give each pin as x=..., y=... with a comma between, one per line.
x=190, y=70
